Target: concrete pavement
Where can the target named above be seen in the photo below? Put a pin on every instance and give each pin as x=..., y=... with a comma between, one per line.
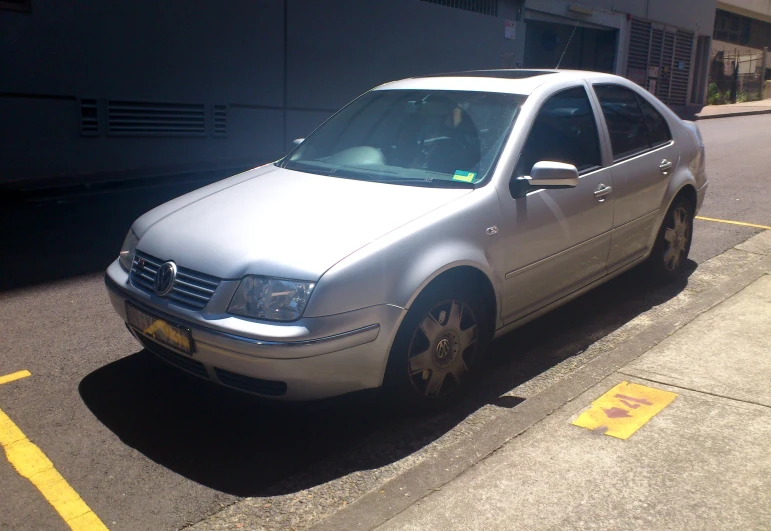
x=735, y=109
x=703, y=462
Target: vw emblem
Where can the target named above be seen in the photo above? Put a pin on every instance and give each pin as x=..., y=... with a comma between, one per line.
x=443, y=348
x=164, y=280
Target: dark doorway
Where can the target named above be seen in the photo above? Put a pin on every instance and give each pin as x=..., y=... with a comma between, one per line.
x=589, y=49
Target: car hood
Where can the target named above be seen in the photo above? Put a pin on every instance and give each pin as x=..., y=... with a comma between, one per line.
x=283, y=223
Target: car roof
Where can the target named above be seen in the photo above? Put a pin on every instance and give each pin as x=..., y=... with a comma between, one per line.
x=519, y=81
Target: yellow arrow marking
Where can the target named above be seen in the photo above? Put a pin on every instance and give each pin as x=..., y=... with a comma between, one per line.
x=624, y=409
x=742, y=223
x=30, y=462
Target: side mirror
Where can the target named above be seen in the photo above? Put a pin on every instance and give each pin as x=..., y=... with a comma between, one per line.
x=545, y=174
x=297, y=141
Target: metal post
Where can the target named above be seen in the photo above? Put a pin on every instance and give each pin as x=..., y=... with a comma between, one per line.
x=763, y=73
x=735, y=77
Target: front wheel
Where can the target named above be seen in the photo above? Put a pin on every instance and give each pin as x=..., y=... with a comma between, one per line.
x=436, y=347
x=673, y=241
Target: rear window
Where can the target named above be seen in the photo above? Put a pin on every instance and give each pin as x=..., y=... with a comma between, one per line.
x=658, y=130
x=626, y=124
x=634, y=124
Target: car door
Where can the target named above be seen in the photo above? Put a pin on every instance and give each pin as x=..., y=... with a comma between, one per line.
x=644, y=156
x=557, y=240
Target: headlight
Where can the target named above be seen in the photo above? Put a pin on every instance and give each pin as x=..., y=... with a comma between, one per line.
x=127, y=251
x=271, y=298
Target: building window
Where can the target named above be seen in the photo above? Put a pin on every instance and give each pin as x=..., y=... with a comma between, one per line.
x=485, y=7
x=16, y=5
x=744, y=31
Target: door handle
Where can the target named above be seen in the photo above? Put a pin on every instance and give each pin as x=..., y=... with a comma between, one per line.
x=665, y=166
x=602, y=191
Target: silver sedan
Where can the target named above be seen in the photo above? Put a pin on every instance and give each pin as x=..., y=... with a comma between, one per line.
x=421, y=221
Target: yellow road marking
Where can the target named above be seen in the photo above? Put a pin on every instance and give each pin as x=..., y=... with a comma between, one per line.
x=30, y=462
x=743, y=224
x=624, y=409
x=14, y=376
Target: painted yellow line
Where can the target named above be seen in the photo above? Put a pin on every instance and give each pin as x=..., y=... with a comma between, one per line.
x=743, y=224
x=624, y=409
x=14, y=376
x=30, y=462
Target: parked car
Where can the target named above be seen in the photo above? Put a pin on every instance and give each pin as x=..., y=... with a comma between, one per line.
x=421, y=221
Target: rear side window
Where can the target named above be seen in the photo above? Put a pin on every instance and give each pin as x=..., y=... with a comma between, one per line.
x=563, y=131
x=658, y=130
x=626, y=124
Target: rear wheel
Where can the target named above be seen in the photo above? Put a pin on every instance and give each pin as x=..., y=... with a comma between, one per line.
x=436, y=348
x=673, y=242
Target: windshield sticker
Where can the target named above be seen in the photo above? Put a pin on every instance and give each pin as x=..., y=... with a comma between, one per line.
x=465, y=176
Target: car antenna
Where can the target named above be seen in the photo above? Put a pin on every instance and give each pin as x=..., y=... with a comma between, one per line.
x=566, y=46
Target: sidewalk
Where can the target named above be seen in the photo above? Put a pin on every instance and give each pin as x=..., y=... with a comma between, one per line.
x=702, y=462
x=734, y=109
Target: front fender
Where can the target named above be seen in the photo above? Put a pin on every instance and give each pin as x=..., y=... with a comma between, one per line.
x=395, y=268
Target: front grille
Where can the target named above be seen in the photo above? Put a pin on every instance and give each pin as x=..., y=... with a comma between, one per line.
x=178, y=360
x=191, y=290
x=249, y=384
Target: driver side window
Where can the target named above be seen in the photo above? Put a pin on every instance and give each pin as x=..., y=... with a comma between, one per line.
x=563, y=131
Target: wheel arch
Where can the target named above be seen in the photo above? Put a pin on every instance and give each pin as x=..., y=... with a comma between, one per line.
x=683, y=185
x=687, y=189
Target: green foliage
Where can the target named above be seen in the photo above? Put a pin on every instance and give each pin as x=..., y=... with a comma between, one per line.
x=747, y=96
x=714, y=96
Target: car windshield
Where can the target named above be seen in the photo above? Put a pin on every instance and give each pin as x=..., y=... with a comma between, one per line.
x=413, y=137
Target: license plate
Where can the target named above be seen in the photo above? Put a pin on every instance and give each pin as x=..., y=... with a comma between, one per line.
x=159, y=330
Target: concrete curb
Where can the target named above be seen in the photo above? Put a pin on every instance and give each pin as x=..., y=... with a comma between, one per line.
x=731, y=114
x=418, y=482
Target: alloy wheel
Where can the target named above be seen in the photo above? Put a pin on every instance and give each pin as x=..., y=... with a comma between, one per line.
x=442, y=349
x=677, y=237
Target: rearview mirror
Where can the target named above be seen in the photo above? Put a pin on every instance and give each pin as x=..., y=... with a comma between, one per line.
x=545, y=174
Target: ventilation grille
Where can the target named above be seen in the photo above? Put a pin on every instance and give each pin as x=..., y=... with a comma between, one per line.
x=220, y=120
x=16, y=5
x=186, y=363
x=665, y=74
x=682, y=67
x=89, y=118
x=639, y=44
x=130, y=118
x=485, y=7
x=249, y=384
x=660, y=60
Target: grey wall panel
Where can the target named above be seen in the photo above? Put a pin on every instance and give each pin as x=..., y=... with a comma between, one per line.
x=177, y=51
x=224, y=53
x=336, y=54
x=300, y=124
x=36, y=138
x=50, y=144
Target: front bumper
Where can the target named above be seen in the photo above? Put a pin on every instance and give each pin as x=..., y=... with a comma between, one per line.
x=309, y=359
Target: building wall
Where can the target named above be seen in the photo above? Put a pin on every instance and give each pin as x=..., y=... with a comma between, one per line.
x=690, y=16
x=281, y=67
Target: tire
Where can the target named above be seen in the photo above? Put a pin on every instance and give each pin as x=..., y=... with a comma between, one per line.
x=673, y=242
x=445, y=331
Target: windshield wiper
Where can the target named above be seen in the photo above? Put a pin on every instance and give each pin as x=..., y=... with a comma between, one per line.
x=337, y=171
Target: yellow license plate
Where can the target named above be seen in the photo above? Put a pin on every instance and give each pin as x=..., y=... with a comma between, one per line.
x=159, y=330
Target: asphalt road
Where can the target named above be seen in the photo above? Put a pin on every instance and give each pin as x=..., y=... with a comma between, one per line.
x=148, y=447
